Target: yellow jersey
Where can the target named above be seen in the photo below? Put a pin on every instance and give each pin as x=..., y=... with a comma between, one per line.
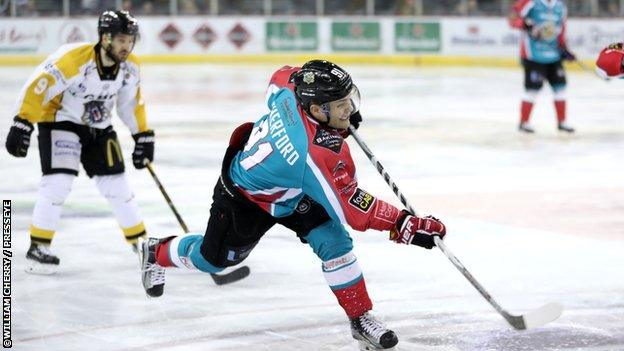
x=72, y=85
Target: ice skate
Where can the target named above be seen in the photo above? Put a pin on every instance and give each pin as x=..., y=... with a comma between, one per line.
x=564, y=127
x=152, y=274
x=526, y=128
x=39, y=260
x=372, y=334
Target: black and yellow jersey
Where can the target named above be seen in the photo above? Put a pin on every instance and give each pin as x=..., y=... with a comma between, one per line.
x=72, y=85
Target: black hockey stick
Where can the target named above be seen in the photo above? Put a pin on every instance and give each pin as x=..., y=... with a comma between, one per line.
x=219, y=279
x=532, y=319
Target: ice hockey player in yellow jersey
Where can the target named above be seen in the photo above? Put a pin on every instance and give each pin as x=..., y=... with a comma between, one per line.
x=70, y=97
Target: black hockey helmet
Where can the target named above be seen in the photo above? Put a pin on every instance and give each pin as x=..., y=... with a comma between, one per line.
x=117, y=22
x=320, y=82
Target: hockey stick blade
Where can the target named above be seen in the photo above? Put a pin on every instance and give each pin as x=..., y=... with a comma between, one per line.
x=535, y=318
x=231, y=277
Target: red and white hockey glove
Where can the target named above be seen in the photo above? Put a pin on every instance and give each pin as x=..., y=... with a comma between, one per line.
x=610, y=63
x=410, y=229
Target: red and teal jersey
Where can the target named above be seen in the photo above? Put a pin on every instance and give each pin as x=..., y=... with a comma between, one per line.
x=549, y=17
x=289, y=155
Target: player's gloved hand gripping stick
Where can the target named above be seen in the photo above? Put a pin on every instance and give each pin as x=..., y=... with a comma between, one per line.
x=535, y=318
x=219, y=279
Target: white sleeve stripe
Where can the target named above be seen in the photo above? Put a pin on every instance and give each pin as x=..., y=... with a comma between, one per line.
x=289, y=194
x=525, y=10
x=174, y=256
x=327, y=189
x=272, y=89
x=266, y=191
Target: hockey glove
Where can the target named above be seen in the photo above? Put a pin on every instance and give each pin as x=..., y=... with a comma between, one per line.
x=410, y=229
x=143, y=149
x=566, y=55
x=18, y=140
x=355, y=119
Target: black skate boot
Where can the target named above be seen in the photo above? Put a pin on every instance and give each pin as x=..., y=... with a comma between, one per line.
x=39, y=260
x=564, y=127
x=152, y=274
x=372, y=334
x=526, y=128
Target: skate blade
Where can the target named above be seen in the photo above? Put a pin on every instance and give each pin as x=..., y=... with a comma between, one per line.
x=139, y=251
x=37, y=268
x=364, y=345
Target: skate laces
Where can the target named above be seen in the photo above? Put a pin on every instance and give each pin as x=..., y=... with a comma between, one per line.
x=44, y=250
x=156, y=273
x=372, y=326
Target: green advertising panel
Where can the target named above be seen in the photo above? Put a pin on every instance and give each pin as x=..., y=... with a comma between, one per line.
x=355, y=36
x=291, y=36
x=417, y=36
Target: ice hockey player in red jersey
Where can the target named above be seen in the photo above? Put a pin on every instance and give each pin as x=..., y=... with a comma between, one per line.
x=293, y=167
x=610, y=62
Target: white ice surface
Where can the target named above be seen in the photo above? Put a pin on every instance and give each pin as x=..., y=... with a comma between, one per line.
x=535, y=218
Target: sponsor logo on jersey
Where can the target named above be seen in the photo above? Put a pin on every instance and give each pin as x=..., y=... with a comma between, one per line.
x=290, y=114
x=362, y=200
x=54, y=72
x=386, y=212
x=95, y=112
x=100, y=97
x=343, y=180
x=329, y=140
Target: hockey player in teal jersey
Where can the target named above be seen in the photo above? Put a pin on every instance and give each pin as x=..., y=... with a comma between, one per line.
x=294, y=168
x=542, y=49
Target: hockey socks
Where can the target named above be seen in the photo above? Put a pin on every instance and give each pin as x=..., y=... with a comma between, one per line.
x=525, y=111
x=560, y=107
x=162, y=254
x=344, y=276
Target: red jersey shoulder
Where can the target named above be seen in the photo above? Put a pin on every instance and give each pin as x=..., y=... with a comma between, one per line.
x=520, y=6
x=281, y=77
